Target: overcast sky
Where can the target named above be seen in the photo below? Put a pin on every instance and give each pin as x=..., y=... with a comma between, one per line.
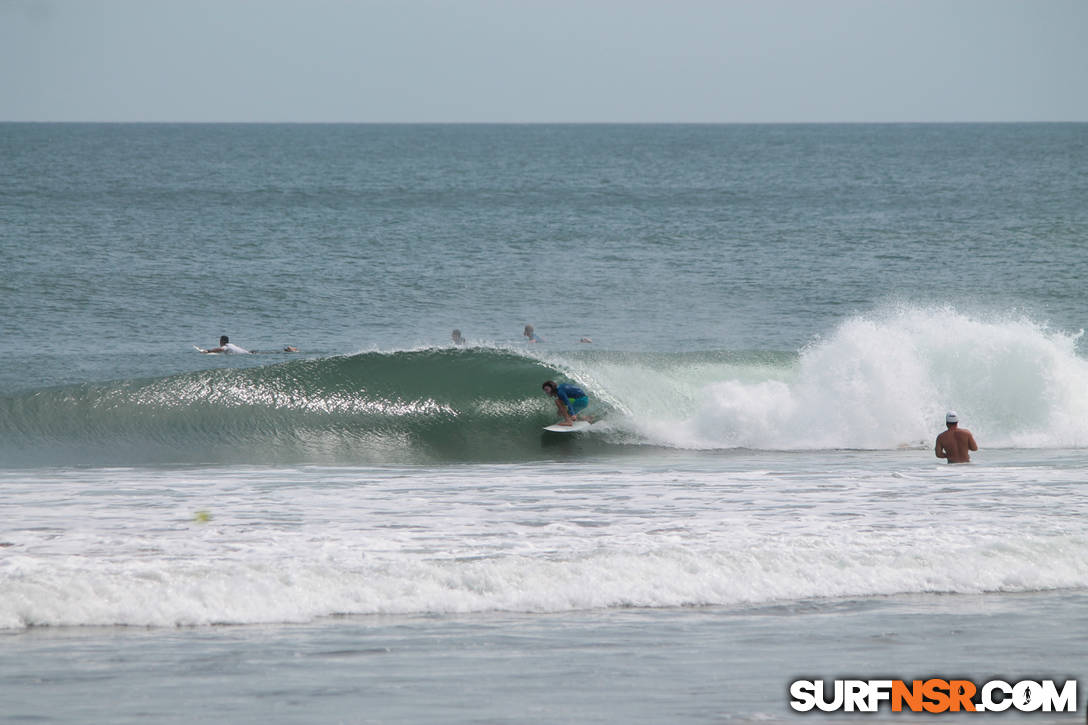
x=544, y=60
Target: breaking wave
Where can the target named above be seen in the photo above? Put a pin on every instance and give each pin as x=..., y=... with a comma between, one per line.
x=876, y=382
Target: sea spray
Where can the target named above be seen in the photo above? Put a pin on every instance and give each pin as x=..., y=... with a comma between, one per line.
x=885, y=380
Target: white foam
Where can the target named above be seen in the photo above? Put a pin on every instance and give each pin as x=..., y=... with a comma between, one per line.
x=122, y=547
x=876, y=382
x=172, y=594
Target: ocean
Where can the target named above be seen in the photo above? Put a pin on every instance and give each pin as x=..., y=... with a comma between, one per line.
x=770, y=320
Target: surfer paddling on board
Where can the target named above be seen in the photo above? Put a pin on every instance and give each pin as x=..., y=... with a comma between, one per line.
x=569, y=400
x=955, y=443
x=226, y=346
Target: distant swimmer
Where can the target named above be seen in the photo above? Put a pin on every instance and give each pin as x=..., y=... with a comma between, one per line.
x=457, y=339
x=586, y=339
x=290, y=348
x=569, y=400
x=531, y=335
x=955, y=443
x=226, y=346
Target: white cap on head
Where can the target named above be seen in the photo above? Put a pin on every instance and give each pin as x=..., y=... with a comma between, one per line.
x=951, y=417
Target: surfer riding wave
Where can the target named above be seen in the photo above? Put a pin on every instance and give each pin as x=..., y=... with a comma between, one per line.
x=570, y=400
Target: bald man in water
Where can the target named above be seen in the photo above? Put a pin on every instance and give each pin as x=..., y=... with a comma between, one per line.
x=955, y=443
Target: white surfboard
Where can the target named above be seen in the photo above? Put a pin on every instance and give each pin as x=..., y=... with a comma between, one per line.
x=576, y=427
x=205, y=351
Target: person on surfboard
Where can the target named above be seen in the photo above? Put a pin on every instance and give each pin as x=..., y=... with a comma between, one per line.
x=955, y=443
x=226, y=346
x=569, y=401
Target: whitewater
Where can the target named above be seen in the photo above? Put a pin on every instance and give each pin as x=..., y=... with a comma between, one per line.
x=209, y=545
